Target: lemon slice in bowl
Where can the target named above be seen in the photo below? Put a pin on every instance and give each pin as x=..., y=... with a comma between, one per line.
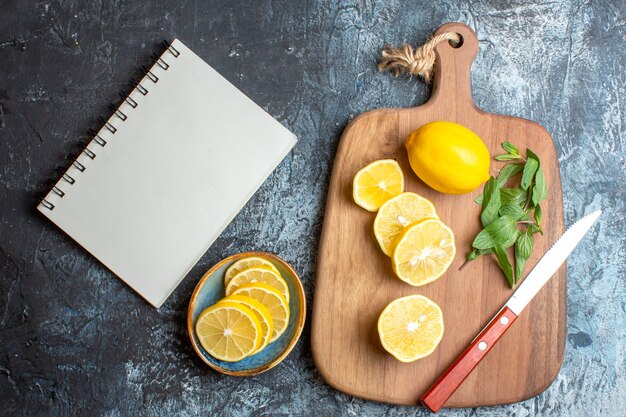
x=246, y=263
x=424, y=252
x=258, y=274
x=229, y=331
x=410, y=328
x=273, y=300
x=262, y=314
x=377, y=183
x=398, y=213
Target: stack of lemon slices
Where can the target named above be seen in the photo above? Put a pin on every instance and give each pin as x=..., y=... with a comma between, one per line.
x=254, y=312
x=421, y=248
x=406, y=227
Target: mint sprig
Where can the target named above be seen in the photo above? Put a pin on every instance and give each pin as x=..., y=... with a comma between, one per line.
x=511, y=215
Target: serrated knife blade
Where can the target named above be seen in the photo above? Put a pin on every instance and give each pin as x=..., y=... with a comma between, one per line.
x=550, y=262
x=436, y=396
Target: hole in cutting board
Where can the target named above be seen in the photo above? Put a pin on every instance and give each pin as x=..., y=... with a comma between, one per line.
x=457, y=45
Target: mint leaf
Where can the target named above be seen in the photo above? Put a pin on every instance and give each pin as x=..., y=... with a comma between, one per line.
x=532, y=155
x=483, y=240
x=524, y=244
x=504, y=210
x=508, y=171
x=500, y=232
x=530, y=167
x=514, y=211
x=476, y=253
x=520, y=263
x=491, y=202
x=510, y=148
x=507, y=157
x=538, y=215
x=512, y=196
x=523, y=248
x=511, y=240
x=540, y=190
x=505, y=264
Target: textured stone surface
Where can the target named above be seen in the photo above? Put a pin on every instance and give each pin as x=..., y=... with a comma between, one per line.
x=76, y=341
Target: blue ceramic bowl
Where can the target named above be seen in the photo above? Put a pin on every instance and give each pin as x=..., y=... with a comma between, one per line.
x=210, y=290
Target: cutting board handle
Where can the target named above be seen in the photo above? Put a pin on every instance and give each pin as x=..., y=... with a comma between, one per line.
x=452, y=83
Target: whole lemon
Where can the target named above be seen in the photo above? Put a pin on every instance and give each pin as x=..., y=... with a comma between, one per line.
x=448, y=157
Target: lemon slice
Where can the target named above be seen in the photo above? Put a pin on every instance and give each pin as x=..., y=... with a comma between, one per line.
x=258, y=274
x=262, y=314
x=229, y=331
x=377, y=183
x=398, y=213
x=410, y=328
x=424, y=252
x=271, y=298
x=246, y=263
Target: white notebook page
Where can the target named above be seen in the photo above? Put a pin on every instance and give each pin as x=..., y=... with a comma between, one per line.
x=171, y=178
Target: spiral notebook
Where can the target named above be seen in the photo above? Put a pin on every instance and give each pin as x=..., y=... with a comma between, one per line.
x=166, y=173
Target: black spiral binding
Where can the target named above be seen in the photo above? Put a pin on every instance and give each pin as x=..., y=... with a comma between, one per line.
x=97, y=139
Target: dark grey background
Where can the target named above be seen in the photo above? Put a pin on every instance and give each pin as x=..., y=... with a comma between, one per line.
x=74, y=340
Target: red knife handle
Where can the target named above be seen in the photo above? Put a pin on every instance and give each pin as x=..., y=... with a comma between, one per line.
x=453, y=377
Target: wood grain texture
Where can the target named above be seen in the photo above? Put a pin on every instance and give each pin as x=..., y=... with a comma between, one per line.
x=355, y=280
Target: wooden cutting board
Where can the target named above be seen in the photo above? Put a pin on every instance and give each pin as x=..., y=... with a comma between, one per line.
x=355, y=280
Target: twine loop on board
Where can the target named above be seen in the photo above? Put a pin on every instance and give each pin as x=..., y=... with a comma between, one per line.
x=415, y=61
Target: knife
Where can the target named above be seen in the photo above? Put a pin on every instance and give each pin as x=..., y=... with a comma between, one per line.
x=453, y=377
